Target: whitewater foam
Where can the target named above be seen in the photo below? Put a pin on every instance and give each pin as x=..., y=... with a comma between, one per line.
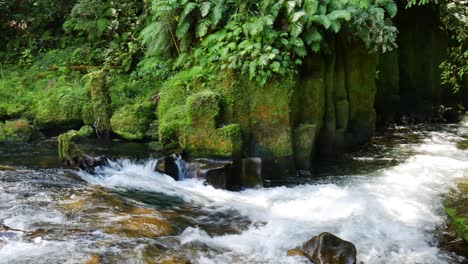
x=390, y=215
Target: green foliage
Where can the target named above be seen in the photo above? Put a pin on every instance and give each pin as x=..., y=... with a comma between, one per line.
x=455, y=68
x=31, y=24
x=260, y=38
x=16, y=131
x=111, y=27
x=61, y=108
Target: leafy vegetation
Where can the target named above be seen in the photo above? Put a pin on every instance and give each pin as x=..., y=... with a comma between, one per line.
x=261, y=38
x=455, y=19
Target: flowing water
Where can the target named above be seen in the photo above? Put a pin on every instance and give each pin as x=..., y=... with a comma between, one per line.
x=386, y=199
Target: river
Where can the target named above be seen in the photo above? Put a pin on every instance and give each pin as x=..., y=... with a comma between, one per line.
x=387, y=199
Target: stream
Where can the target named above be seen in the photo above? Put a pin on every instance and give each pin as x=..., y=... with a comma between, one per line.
x=387, y=199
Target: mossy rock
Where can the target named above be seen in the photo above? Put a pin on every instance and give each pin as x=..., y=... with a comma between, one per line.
x=87, y=114
x=61, y=109
x=171, y=125
x=67, y=148
x=203, y=139
x=85, y=132
x=101, y=102
x=459, y=221
x=132, y=121
x=16, y=131
x=304, y=142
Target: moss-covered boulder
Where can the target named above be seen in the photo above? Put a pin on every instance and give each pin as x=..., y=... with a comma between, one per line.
x=100, y=103
x=16, y=131
x=69, y=152
x=203, y=138
x=132, y=121
x=61, y=109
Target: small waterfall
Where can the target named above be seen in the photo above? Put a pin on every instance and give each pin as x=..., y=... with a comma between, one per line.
x=180, y=166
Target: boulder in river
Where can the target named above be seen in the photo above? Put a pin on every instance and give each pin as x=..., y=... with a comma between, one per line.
x=327, y=248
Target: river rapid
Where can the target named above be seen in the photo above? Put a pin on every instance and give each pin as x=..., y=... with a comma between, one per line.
x=387, y=199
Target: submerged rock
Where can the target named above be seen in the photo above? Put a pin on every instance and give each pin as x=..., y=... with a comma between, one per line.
x=94, y=259
x=16, y=131
x=327, y=249
x=7, y=168
x=140, y=226
x=173, y=259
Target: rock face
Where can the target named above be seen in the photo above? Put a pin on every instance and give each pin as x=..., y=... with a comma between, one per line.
x=327, y=249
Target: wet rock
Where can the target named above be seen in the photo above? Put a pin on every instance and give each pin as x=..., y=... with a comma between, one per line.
x=453, y=114
x=72, y=155
x=173, y=259
x=168, y=166
x=327, y=249
x=252, y=172
x=140, y=226
x=217, y=173
x=16, y=131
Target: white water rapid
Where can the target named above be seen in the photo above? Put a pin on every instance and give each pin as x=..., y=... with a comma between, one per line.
x=391, y=215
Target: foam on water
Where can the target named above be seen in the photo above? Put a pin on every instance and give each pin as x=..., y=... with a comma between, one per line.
x=390, y=215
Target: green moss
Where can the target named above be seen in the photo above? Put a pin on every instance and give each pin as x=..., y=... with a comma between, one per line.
x=87, y=114
x=171, y=125
x=16, y=131
x=270, y=118
x=85, y=131
x=132, y=121
x=68, y=150
x=61, y=109
x=203, y=108
x=153, y=130
x=460, y=223
x=101, y=101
